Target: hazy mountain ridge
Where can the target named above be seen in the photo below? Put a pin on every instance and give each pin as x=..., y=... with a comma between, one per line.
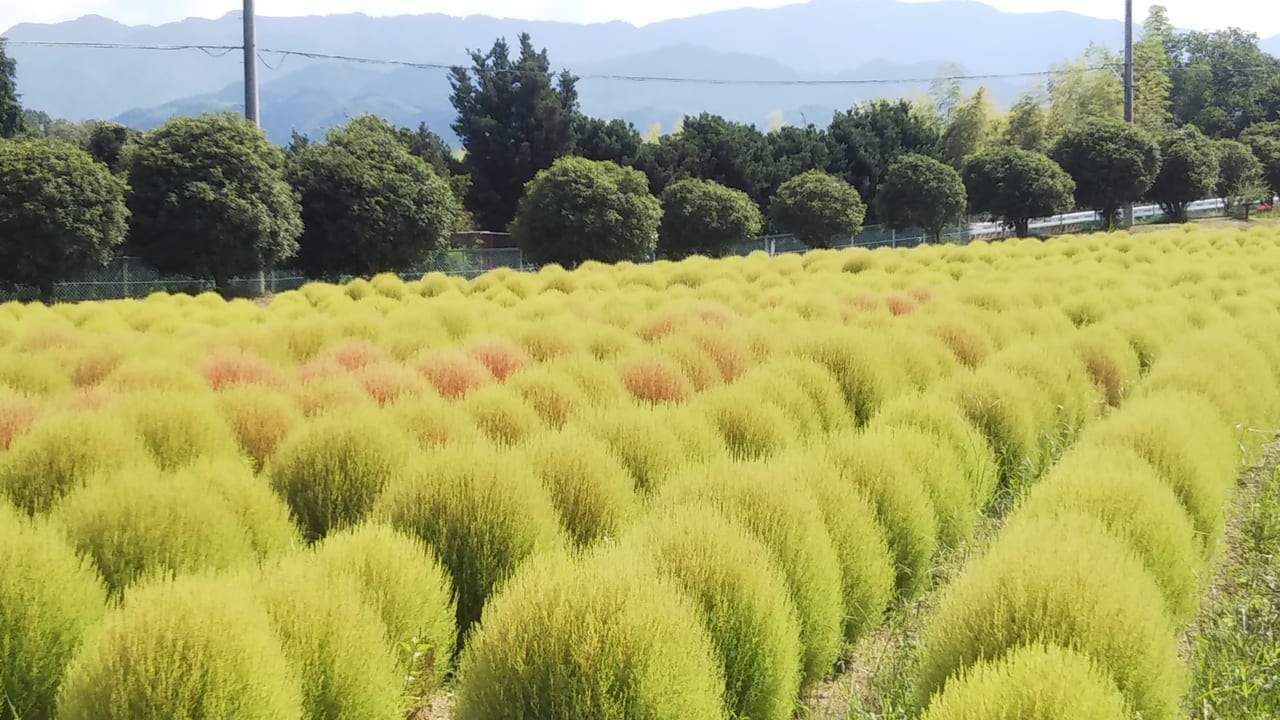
x=824, y=39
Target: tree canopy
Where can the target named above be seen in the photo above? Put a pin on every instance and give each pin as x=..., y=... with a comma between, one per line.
x=61, y=213
x=1264, y=140
x=369, y=205
x=580, y=209
x=819, y=209
x=703, y=217
x=1112, y=163
x=11, y=118
x=922, y=192
x=1016, y=186
x=617, y=141
x=1188, y=171
x=867, y=138
x=515, y=118
x=209, y=199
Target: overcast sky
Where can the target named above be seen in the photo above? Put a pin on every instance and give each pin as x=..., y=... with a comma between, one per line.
x=1259, y=16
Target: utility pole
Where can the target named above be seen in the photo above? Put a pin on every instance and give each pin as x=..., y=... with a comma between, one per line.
x=1128, y=87
x=250, y=64
x=251, y=94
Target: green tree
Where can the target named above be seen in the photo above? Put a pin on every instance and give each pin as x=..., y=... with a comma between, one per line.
x=970, y=130
x=1264, y=140
x=1112, y=163
x=1188, y=171
x=514, y=119
x=209, y=199
x=581, y=209
x=1153, y=58
x=709, y=147
x=1085, y=89
x=368, y=204
x=1016, y=186
x=1223, y=82
x=867, y=138
x=11, y=118
x=819, y=209
x=425, y=143
x=61, y=213
x=922, y=192
x=1026, y=125
x=703, y=217
x=794, y=150
x=107, y=141
x=946, y=92
x=1240, y=179
x=617, y=141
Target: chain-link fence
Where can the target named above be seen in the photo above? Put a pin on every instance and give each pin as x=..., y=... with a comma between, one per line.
x=129, y=277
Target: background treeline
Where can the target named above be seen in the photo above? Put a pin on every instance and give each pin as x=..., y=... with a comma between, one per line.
x=210, y=197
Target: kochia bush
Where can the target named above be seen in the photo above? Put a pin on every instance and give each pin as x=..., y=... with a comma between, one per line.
x=401, y=579
x=229, y=663
x=49, y=599
x=604, y=636
x=592, y=491
x=1040, y=681
x=1065, y=580
x=481, y=510
x=334, y=468
x=780, y=515
x=744, y=602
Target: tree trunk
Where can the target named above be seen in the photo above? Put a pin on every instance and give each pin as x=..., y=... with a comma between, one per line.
x=46, y=292
x=222, y=284
x=1022, y=227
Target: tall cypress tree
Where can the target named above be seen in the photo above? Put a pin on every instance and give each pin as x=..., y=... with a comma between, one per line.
x=514, y=119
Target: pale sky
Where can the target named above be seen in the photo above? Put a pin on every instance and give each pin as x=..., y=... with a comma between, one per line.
x=1259, y=16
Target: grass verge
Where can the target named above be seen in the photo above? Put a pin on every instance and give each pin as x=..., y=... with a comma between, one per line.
x=1235, y=645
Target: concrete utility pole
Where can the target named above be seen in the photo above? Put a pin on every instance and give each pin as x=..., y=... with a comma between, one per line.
x=1128, y=86
x=251, y=93
x=250, y=64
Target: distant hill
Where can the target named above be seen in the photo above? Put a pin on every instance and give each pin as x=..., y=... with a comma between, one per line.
x=844, y=40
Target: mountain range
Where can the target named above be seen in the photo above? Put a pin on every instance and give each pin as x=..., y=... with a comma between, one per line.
x=803, y=62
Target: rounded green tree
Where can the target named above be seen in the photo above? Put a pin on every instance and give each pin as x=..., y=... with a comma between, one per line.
x=1016, y=186
x=580, y=210
x=1188, y=171
x=368, y=204
x=702, y=217
x=921, y=192
x=61, y=213
x=819, y=209
x=1112, y=162
x=209, y=199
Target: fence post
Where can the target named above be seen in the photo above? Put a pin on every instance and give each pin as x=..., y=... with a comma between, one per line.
x=124, y=271
x=893, y=237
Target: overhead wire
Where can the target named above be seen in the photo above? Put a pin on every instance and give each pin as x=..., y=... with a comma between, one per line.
x=218, y=51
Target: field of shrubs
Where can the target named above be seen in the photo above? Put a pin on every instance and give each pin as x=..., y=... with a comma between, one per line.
x=678, y=490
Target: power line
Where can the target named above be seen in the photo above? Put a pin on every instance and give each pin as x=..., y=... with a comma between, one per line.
x=218, y=51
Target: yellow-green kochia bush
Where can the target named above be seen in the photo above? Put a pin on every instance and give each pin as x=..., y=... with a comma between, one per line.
x=49, y=600
x=1118, y=487
x=63, y=452
x=1183, y=438
x=332, y=470
x=934, y=414
x=938, y=469
x=744, y=603
x=481, y=510
x=1066, y=580
x=334, y=640
x=403, y=581
x=903, y=507
x=603, y=636
x=178, y=428
x=138, y=524
x=262, y=513
x=229, y=663
x=592, y=491
x=866, y=563
x=1033, y=682
x=781, y=516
